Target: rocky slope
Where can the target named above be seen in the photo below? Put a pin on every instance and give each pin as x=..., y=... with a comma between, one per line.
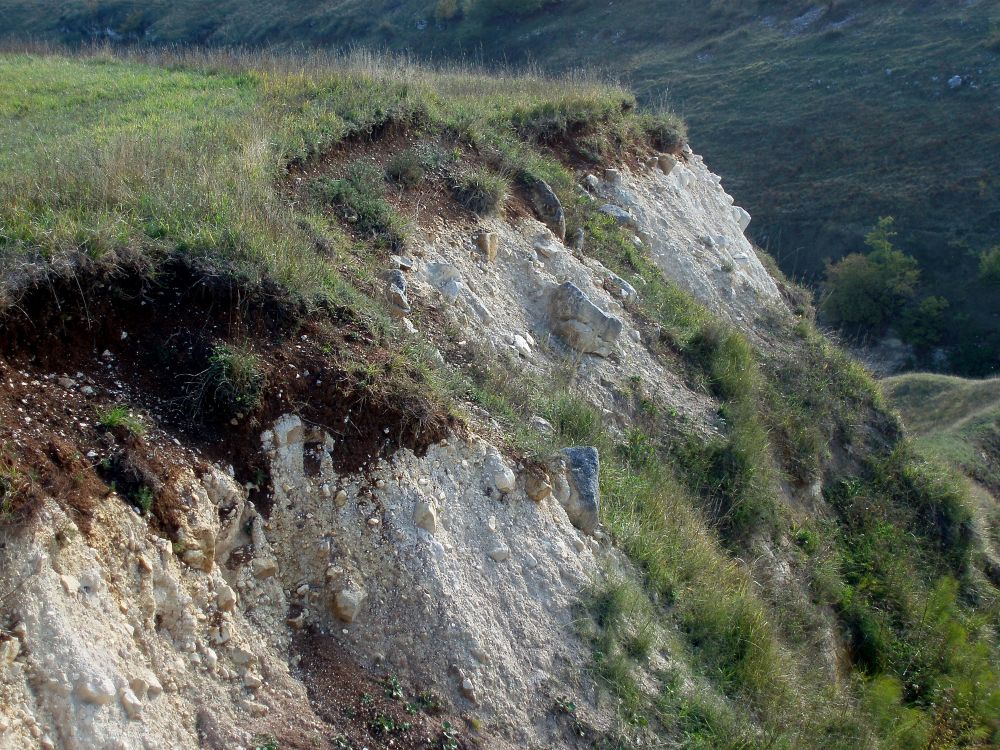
x=458, y=570
x=574, y=470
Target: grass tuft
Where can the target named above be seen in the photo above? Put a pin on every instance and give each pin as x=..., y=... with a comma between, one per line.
x=481, y=190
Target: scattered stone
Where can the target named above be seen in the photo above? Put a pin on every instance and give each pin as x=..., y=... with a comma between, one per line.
x=395, y=293
x=194, y=558
x=479, y=307
x=97, y=691
x=547, y=247
x=88, y=391
x=618, y=287
x=70, y=584
x=613, y=176
x=522, y=346
x=468, y=690
x=211, y=658
x=408, y=326
x=425, y=516
x=537, y=486
x=583, y=504
x=401, y=262
x=582, y=324
x=488, y=242
x=500, y=552
x=225, y=598
x=446, y=279
x=131, y=703
x=243, y=657
x=742, y=217
x=591, y=183
x=154, y=689
x=348, y=602
x=9, y=650
x=67, y=383
x=265, y=567
x=579, y=241
x=619, y=214
x=542, y=425
x=252, y=681
x=549, y=209
x=139, y=686
x=255, y=709
x=340, y=499
x=666, y=162
x=503, y=477
x=955, y=82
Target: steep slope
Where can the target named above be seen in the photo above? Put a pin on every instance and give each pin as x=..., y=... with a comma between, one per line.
x=824, y=116
x=347, y=403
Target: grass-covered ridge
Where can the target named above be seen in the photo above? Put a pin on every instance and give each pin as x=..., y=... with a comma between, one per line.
x=126, y=160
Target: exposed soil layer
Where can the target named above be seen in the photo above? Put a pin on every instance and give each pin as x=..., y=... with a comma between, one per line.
x=424, y=204
x=74, y=349
x=374, y=710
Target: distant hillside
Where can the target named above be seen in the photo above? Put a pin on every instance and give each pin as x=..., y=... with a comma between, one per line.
x=821, y=116
x=956, y=419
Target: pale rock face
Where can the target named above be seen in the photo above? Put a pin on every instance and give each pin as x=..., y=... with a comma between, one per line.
x=674, y=213
x=500, y=575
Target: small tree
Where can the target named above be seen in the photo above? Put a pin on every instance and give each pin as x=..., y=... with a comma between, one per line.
x=868, y=291
x=989, y=266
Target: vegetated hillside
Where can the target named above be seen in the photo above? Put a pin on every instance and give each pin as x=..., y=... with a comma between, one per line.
x=957, y=419
x=823, y=116
x=347, y=403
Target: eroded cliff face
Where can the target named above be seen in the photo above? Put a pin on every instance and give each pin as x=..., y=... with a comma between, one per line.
x=455, y=572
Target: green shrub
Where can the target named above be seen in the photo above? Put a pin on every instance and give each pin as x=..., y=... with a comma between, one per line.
x=665, y=131
x=406, y=168
x=868, y=291
x=481, y=190
x=446, y=10
x=487, y=10
x=925, y=325
x=143, y=499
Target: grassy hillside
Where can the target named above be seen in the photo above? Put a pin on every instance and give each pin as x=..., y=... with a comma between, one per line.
x=119, y=170
x=821, y=117
x=954, y=418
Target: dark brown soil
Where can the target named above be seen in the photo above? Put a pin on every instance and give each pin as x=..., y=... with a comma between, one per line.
x=369, y=709
x=147, y=344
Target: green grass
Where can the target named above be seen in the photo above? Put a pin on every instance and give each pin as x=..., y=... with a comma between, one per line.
x=481, y=190
x=122, y=416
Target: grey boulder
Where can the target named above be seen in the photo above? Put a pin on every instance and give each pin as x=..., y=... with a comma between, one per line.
x=549, y=209
x=582, y=467
x=580, y=323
